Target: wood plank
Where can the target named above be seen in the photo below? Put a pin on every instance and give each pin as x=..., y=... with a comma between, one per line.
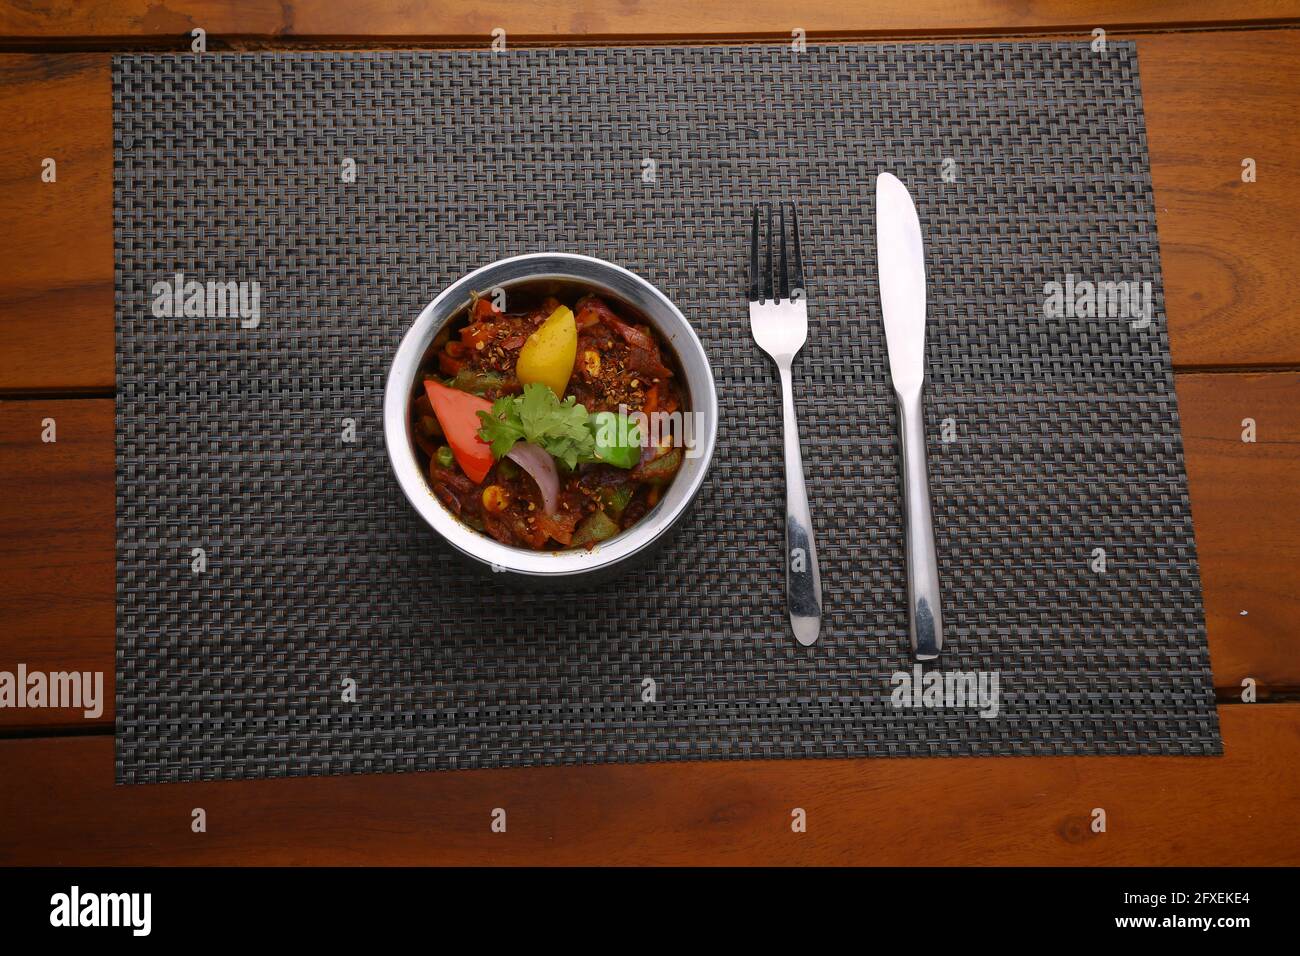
x=56, y=528
x=58, y=806
x=1246, y=514
x=56, y=290
x=1229, y=249
x=114, y=19
x=57, y=548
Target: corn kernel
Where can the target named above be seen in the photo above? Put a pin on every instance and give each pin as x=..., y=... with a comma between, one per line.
x=494, y=499
x=591, y=363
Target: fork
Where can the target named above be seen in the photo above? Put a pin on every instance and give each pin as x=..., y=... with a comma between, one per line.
x=778, y=319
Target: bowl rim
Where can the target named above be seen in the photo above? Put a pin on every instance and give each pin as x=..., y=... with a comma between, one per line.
x=480, y=547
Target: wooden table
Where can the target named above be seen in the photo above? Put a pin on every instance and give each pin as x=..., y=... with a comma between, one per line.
x=1220, y=85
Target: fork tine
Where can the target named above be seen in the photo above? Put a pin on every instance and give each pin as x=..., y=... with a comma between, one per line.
x=783, y=276
x=796, y=264
x=767, y=268
x=753, y=260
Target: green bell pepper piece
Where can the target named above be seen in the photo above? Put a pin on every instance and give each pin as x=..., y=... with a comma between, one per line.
x=660, y=470
x=618, y=440
x=594, y=528
x=614, y=500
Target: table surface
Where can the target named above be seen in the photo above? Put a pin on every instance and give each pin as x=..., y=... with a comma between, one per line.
x=1220, y=86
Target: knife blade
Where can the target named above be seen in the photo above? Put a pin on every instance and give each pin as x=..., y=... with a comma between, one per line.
x=900, y=262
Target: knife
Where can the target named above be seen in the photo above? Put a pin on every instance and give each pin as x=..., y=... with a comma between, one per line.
x=900, y=264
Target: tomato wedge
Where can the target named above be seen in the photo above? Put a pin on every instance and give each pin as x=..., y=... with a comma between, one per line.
x=457, y=413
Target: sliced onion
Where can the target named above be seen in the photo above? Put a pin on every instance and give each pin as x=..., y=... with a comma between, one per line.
x=539, y=463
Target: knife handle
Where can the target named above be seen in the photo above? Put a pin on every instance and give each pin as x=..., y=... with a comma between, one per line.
x=925, y=620
x=803, y=581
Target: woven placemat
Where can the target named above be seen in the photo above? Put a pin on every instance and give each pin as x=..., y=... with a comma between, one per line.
x=269, y=570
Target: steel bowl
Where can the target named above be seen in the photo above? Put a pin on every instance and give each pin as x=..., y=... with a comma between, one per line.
x=620, y=286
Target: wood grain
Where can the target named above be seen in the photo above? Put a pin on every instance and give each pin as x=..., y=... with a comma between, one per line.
x=56, y=548
x=1229, y=249
x=56, y=528
x=58, y=806
x=1246, y=513
x=56, y=239
x=173, y=19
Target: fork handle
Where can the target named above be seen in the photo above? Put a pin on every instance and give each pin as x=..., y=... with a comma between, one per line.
x=925, y=620
x=803, y=580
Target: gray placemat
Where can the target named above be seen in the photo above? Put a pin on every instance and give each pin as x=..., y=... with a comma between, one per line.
x=1028, y=163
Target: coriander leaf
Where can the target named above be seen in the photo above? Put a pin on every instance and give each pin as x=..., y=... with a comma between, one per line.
x=501, y=427
x=535, y=406
x=537, y=416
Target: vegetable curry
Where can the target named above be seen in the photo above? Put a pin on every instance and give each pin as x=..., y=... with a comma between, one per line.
x=528, y=421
